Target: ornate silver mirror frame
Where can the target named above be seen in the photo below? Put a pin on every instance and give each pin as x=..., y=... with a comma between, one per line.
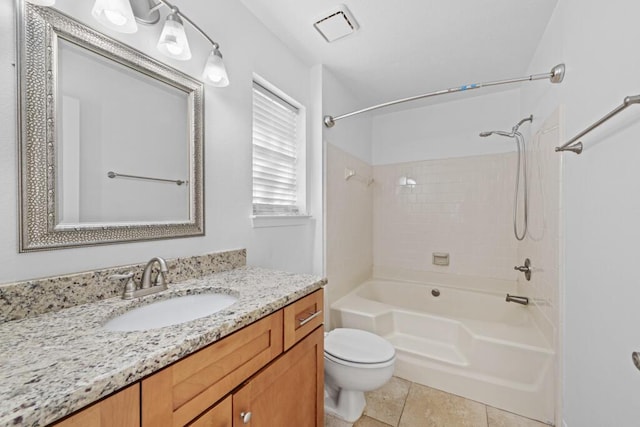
x=38, y=32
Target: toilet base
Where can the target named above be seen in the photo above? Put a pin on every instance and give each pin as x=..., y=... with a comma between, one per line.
x=348, y=405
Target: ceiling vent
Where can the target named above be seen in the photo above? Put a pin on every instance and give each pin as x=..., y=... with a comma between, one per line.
x=337, y=24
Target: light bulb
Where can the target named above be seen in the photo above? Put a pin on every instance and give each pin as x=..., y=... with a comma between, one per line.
x=174, y=48
x=215, y=73
x=115, y=17
x=214, y=77
x=173, y=40
x=115, y=14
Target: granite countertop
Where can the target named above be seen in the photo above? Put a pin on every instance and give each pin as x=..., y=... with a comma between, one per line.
x=57, y=363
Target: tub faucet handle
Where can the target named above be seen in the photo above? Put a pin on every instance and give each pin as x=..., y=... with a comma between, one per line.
x=526, y=268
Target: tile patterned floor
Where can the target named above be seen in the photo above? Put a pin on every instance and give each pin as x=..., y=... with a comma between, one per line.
x=401, y=403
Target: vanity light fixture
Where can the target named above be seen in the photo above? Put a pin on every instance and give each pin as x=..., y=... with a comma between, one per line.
x=174, y=44
x=119, y=15
x=116, y=15
x=173, y=40
x=214, y=73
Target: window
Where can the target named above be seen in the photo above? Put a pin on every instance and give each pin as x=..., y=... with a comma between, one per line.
x=278, y=153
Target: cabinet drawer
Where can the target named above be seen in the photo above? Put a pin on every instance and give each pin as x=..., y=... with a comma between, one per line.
x=179, y=393
x=121, y=409
x=302, y=317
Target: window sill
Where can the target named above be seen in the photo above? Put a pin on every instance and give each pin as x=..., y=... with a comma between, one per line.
x=259, y=221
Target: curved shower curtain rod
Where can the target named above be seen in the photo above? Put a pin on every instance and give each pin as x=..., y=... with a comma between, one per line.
x=556, y=75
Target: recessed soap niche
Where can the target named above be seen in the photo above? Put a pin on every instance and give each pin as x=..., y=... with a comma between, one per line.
x=440, y=258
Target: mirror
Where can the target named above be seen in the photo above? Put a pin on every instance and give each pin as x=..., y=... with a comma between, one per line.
x=111, y=139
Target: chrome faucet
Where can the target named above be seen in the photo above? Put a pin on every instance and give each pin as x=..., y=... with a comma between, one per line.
x=146, y=285
x=517, y=299
x=161, y=278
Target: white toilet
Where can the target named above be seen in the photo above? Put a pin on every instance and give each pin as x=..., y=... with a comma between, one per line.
x=355, y=361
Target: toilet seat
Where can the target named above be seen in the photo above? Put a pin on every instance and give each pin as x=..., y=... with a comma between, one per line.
x=360, y=365
x=355, y=347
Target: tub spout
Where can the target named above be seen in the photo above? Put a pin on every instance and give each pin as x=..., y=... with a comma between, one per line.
x=517, y=299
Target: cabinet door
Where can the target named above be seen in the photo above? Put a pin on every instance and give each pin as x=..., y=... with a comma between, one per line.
x=121, y=409
x=289, y=392
x=181, y=392
x=218, y=416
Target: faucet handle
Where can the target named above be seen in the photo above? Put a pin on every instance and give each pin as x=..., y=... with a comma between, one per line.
x=115, y=277
x=129, y=288
x=526, y=269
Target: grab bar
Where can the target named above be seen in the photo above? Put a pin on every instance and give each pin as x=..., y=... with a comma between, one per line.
x=576, y=147
x=112, y=174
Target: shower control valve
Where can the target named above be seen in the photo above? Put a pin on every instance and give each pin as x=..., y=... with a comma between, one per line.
x=526, y=268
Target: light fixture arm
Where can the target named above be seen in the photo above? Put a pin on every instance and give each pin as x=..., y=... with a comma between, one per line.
x=175, y=10
x=158, y=6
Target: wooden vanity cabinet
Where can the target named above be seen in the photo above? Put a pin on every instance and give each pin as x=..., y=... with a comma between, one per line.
x=121, y=409
x=250, y=373
x=288, y=392
x=268, y=374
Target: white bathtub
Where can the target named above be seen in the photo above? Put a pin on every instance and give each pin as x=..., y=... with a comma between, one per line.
x=467, y=342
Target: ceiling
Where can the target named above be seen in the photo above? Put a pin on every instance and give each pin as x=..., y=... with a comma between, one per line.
x=409, y=47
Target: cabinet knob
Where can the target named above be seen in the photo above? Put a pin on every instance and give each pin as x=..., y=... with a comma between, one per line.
x=245, y=417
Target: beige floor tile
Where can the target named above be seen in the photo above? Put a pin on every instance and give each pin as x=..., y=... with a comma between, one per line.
x=500, y=418
x=428, y=407
x=369, y=422
x=386, y=403
x=331, y=421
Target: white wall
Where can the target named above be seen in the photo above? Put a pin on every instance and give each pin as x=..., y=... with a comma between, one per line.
x=353, y=134
x=598, y=41
x=247, y=47
x=447, y=129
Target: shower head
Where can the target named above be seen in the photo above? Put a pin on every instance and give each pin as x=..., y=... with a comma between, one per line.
x=514, y=130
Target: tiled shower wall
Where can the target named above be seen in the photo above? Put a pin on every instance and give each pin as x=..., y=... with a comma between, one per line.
x=461, y=206
x=349, y=215
x=542, y=245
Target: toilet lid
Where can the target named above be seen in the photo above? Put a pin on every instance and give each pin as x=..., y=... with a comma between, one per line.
x=355, y=345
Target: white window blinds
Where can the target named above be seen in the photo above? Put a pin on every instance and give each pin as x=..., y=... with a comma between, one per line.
x=275, y=154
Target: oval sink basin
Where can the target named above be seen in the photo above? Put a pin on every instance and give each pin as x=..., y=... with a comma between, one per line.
x=170, y=312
